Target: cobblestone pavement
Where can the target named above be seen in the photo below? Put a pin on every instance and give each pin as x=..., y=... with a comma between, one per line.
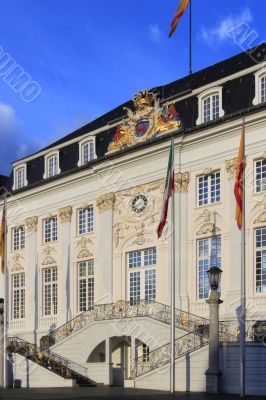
x=106, y=393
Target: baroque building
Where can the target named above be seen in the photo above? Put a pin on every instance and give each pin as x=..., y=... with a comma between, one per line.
x=89, y=281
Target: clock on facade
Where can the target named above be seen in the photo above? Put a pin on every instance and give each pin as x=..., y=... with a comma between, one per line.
x=138, y=204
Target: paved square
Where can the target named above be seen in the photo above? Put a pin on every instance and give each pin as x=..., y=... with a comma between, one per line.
x=106, y=393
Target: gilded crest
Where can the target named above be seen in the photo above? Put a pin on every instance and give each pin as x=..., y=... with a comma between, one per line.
x=147, y=121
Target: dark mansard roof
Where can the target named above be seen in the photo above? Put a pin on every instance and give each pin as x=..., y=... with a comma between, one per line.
x=238, y=94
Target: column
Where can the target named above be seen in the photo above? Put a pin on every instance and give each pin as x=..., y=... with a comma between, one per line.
x=65, y=215
x=181, y=188
x=213, y=373
x=32, y=277
x=234, y=265
x=105, y=205
x=133, y=361
x=108, y=361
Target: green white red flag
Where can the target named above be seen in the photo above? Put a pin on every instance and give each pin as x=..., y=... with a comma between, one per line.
x=168, y=190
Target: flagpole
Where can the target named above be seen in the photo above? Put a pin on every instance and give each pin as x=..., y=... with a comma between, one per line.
x=5, y=296
x=172, y=369
x=190, y=37
x=243, y=277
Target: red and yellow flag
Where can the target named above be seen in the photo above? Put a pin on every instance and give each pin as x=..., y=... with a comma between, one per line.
x=239, y=190
x=2, y=241
x=180, y=11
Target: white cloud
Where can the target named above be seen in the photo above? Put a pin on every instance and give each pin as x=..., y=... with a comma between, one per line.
x=220, y=32
x=155, y=33
x=15, y=143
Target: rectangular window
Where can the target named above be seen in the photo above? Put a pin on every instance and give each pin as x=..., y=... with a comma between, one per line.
x=142, y=281
x=86, y=284
x=86, y=220
x=134, y=287
x=52, y=166
x=88, y=152
x=18, y=238
x=263, y=89
x=209, y=189
x=260, y=237
x=207, y=109
x=260, y=176
x=50, y=291
x=18, y=296
x=208, y=255
x=215, y=106
x=20, y=178
x=50, y=230
x=211, y=108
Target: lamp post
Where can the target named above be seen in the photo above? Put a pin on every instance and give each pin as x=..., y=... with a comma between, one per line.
x=2, y=357
x=213, y=373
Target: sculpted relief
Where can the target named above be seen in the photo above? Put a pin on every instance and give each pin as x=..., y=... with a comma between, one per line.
x=148, y=120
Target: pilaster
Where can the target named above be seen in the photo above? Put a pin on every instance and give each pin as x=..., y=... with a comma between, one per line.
x=31, y=225
x=105, y=204
x=65, y=215
x=181, y=189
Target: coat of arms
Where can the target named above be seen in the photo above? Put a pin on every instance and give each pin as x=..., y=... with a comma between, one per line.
x=147, y=121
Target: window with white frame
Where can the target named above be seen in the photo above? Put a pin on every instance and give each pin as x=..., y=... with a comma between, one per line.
x=260, y=86
x=208, y=255
x=209, y=189
x=141, y=267
x=18, y=296
x=210, y=105
x=51, y=163
x=50, y=291
x=260, y=176
x=145, y=353
x=85, y=285
x=260, y=243
x=85, y=220
x=86, y=150
x=20, y=177
x=18, y=238
x=50, y=230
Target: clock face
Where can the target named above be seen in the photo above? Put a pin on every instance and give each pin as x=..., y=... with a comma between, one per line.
x=139, y=204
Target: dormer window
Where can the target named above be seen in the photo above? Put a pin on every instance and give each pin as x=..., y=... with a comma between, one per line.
x=86, y=150
x=260, y=87
x=20, y=176
x=51, y=162
x=210, y=105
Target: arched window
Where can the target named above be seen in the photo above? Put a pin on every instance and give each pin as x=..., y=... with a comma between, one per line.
x=51, y=164
x=210, y=105
x=87, y=151
x=260, y=87
x=20, y=176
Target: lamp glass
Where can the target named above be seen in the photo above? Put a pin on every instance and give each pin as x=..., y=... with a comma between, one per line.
x=214, y=276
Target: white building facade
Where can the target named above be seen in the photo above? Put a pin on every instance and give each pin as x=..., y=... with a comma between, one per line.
x=85, y=266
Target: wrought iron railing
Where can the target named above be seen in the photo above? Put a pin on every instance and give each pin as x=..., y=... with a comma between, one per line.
x=49, y=360
x=253, y=333
x=161, y=356
x=125, y=309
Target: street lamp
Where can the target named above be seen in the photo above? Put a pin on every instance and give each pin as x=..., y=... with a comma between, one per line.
x=213, y=373
x=214, y=276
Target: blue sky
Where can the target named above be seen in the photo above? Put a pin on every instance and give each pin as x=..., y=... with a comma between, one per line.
x=88, y=57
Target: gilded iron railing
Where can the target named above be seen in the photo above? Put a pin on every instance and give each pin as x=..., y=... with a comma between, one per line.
x=49, y=360
x=161, y=356
x=125, y=309
x=253, y=332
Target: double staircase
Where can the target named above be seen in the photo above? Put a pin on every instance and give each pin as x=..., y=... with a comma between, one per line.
x=196, y=335
x=123, y=310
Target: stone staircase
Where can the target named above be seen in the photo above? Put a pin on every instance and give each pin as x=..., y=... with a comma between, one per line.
x=59, y=365
x=122, y=310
